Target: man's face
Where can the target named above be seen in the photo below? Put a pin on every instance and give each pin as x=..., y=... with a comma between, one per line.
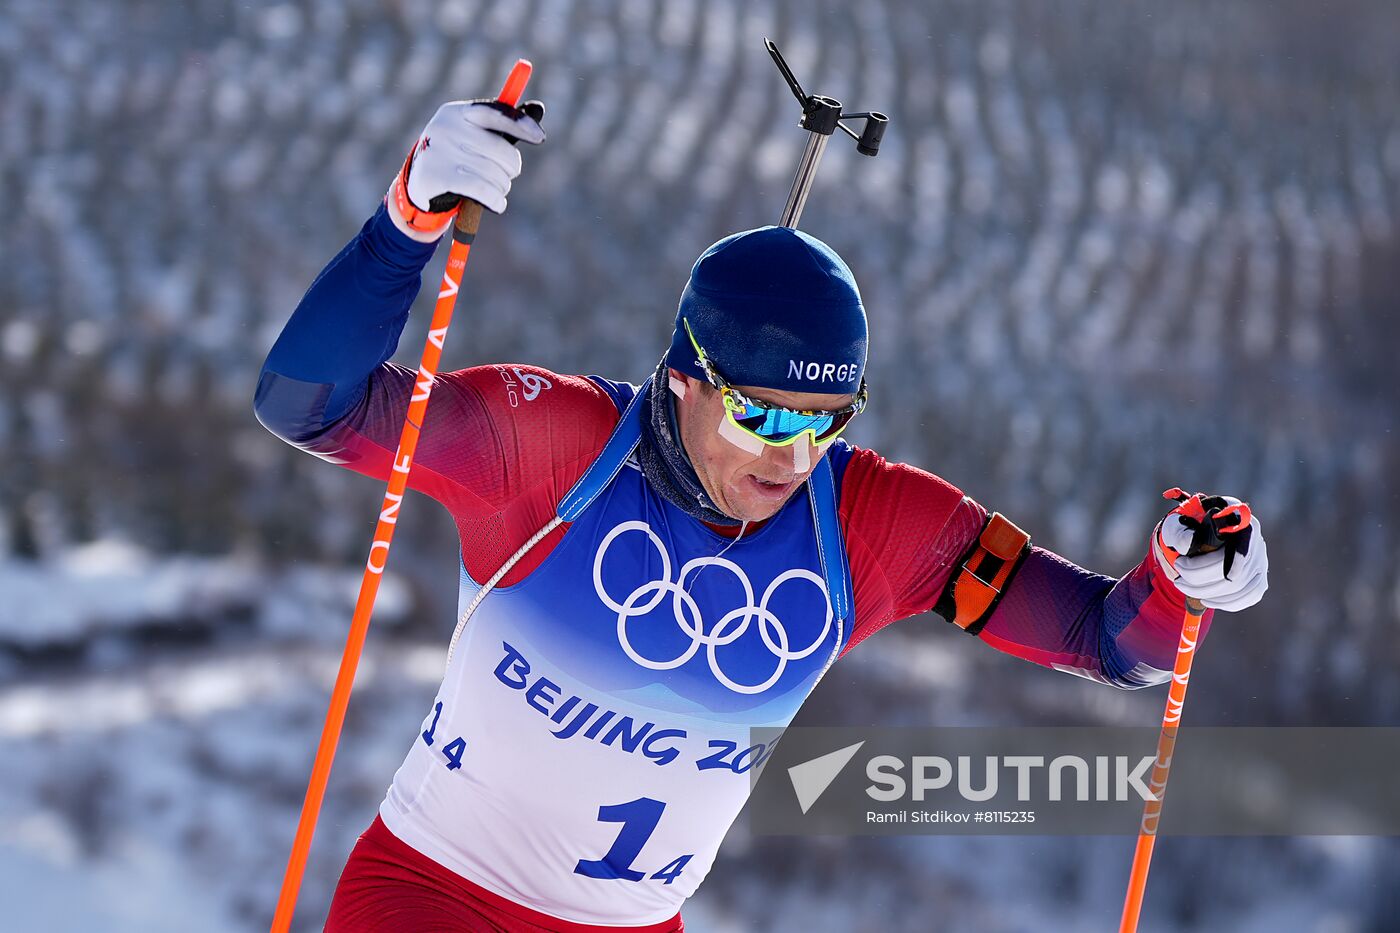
x=748, y=479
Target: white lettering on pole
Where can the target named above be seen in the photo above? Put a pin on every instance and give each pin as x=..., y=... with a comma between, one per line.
x=449, y=287
x=390, y=513
x=403, y=463
x=423, y=386
x=374, y=548
x=437, y=336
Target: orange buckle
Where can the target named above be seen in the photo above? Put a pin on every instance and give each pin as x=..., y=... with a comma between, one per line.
x=969, y=599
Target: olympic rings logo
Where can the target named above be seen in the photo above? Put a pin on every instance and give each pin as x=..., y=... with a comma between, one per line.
x=686, y=612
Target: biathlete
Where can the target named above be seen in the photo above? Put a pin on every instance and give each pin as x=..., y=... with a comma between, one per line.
x=649, y=571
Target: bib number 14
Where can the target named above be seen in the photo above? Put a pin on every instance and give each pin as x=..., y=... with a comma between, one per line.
x=638, y=818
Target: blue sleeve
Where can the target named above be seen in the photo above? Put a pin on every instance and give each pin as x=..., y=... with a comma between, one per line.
x=621, y=393
x=345, y=326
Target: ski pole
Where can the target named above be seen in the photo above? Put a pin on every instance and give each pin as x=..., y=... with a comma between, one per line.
x=1216, y=525
x=463, y=232
x=1166, y=743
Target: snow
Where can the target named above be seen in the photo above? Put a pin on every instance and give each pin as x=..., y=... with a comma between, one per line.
x=1099, y=239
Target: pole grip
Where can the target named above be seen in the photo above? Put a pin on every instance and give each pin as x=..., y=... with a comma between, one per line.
x=469, y=213
x=468, y=219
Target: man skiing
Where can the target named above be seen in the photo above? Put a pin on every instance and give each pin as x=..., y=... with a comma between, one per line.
x=648, y=572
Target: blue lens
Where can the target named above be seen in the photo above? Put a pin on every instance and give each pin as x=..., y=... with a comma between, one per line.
x=779, y=425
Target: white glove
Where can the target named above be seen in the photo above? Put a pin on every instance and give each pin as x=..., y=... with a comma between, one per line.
x=461, y=153
x=1203, y=575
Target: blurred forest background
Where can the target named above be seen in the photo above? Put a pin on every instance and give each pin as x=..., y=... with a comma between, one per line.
x=1107, y=248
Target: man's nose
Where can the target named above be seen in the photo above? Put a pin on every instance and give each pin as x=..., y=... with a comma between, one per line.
x=796, y=457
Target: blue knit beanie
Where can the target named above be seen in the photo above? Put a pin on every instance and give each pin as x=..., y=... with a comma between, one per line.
x=776, y=308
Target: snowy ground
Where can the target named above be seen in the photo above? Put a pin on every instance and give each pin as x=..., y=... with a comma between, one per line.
x=154, y=783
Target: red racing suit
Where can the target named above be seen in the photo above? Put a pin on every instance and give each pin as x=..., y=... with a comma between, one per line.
x=500, y=447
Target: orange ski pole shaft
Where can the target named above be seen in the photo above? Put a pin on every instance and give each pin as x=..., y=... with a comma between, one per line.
x=1166, y=743
x=464, y=231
